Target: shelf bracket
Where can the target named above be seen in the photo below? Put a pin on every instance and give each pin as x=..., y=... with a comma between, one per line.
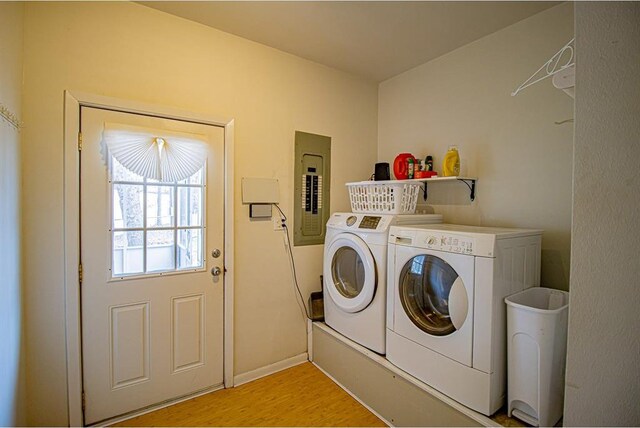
x=471, y=184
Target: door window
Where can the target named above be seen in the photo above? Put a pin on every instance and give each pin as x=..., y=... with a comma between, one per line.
x=348, y=272
x=156, y=226
x=425, y=287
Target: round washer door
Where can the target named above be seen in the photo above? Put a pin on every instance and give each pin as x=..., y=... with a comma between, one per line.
x=350, y=273
x=433, y=295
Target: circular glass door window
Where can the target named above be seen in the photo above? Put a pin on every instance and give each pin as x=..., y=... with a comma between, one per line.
x=347, y=270
x=425, y=288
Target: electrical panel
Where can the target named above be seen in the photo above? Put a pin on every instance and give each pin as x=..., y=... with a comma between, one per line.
x=312, y=178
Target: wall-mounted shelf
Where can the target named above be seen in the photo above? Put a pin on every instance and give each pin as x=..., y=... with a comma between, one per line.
x=469, y=181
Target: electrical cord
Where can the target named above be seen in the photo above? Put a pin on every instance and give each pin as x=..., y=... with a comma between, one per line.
x=293, y=263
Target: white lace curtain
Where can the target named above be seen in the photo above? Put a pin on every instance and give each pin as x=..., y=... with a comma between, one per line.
x=155, y=153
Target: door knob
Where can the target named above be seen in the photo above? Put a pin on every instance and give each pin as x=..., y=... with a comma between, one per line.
x=215, y=271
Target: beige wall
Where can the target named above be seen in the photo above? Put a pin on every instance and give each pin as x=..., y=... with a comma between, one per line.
x=603, y=357
x=523, y=161
x=11, y=358
x=128, y=51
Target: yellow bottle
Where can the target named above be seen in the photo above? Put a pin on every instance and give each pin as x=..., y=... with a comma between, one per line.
x=451, y=162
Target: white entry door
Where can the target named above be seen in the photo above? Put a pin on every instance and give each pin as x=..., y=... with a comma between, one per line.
x=152, y=310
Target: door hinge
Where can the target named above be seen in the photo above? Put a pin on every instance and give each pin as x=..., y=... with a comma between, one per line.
x=79, y=141
x=80, y=273
x=84, y=402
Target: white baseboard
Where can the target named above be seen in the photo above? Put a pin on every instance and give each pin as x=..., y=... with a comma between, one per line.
x=270, y=369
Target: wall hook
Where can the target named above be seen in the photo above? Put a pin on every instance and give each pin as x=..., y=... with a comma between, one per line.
x=551, y=67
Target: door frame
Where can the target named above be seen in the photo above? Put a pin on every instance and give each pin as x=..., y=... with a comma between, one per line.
x=73, y=100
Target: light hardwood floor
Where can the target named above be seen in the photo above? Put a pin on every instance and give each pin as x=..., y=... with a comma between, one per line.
x=299, y=396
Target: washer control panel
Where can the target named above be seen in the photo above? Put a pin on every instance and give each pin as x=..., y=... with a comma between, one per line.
x=360, y=222
x=446, y=242
x=369, y=222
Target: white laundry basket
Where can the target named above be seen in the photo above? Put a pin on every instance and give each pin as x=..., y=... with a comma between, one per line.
x=536, y=353
x=383, y=197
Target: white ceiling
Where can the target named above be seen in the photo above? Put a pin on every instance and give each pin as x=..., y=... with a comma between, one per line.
x=372, y=39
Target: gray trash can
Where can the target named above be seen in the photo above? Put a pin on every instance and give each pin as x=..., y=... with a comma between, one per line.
x=536, y=354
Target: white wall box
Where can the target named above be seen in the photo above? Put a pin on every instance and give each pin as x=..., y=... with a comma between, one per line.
x=260, y=191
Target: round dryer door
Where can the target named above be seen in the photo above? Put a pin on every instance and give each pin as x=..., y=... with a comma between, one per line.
x=350, y=273
x=433, y=295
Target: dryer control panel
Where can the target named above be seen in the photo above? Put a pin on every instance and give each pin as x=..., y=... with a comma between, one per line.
x=445, y=242
x=434, y=240
x=476, y=241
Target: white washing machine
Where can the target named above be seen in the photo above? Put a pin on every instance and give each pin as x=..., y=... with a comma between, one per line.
x=446, y=318
x=355, y=273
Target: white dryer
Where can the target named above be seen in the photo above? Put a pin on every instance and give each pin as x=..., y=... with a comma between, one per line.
x=355, y=273
x=446, y=322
